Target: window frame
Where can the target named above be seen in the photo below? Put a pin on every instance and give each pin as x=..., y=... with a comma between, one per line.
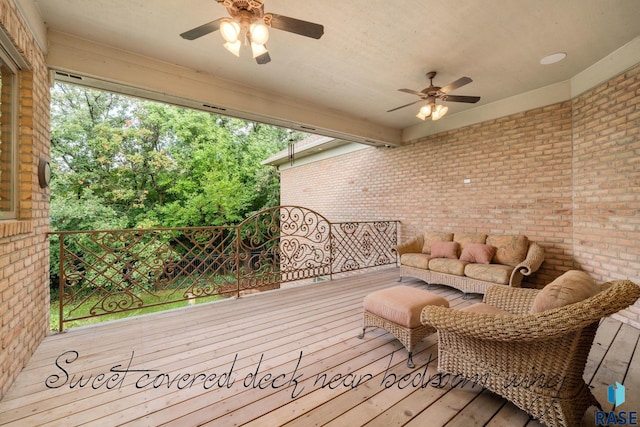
x=12, y=212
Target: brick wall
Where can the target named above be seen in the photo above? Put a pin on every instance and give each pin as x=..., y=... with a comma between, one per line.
x=529, y=173
x=24, y=248
x=519, y=169
x=606, y=181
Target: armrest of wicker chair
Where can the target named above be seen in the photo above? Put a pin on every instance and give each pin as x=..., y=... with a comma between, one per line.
x=513, y=300
x=531, y=264
x=531, y=327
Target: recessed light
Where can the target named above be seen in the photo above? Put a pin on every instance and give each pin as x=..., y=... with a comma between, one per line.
x=553, y=58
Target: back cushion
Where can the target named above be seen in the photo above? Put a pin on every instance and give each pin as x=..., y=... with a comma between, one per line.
x=510, y=249
x=571, y=287
x=434, y=236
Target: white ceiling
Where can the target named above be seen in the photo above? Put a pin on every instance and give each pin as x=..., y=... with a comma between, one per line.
x=370, y=48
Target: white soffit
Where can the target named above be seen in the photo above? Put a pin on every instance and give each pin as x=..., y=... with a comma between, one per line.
x=617, y=62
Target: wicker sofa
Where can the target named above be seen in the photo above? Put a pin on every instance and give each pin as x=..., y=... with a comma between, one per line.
x=470, y=262
x=532, y=356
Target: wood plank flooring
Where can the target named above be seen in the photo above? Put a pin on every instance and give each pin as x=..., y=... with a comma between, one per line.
x=287, y=357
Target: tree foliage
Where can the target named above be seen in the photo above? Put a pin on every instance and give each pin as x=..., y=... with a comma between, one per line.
x=121, y=162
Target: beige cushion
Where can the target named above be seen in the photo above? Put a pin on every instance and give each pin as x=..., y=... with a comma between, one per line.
x=415, y=260
x=433, y=236
x=441, y=249
x=446, y=265
x=478, y=253
x=494, y=273
x=510, y=249
x=571, y=287
x=402, y=304
x=484, y=308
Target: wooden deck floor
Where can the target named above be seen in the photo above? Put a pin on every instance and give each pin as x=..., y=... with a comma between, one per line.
x=287, y=357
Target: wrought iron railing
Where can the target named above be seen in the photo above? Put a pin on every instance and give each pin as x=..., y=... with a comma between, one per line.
x=110, y=271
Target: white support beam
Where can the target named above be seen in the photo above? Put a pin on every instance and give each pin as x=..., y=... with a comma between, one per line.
x=122, y=71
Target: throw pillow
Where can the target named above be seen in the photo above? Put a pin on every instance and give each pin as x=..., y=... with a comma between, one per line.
x=440, y=249
x=464, y=238
x=478, y=253
x=571, y=287
x=432, y=236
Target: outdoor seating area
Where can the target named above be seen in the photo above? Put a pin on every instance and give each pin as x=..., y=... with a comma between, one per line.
x=469, y=262
x=531, y=345
x=284, y=357
x=352, y=215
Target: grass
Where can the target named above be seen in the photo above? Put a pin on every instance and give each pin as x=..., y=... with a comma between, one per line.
x=84, y=309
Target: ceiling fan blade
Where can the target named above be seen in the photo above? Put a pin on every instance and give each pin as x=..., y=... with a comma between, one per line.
x=455, y=85
x=406, y=105
x=412, y=92
x=297, y=26
x=263, y=59
x=202, y=30
x=458, y=98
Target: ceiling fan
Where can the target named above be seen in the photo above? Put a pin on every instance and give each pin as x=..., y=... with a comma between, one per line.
x=431, y=93
x=249, y=23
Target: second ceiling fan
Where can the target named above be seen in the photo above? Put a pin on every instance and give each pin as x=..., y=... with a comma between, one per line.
x=431, y=93
x=248, y=23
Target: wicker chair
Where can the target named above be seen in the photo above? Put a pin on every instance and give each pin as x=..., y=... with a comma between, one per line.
x=536, y=360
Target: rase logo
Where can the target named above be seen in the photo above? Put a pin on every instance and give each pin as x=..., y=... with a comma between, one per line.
x=616, y=396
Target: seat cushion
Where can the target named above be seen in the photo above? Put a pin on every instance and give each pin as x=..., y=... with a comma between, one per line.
x=494, y=273
x=402, y=304
x=510, y=249
x=415, y=260
x=571, y=287
x=446, y=265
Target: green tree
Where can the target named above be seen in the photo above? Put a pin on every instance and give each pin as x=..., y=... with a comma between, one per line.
x=156, y=164
x=122, y=162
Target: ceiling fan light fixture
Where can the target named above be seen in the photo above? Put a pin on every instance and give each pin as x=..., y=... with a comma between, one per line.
x=439, y=112
x=258, y=49
x=424, y=112
x=259, y=33
x=230, y=30
x=234, y=47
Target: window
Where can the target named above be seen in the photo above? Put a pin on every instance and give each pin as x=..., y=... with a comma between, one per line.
x=8, y=145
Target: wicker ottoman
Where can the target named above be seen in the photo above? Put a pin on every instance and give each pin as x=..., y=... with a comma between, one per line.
x=397, y=310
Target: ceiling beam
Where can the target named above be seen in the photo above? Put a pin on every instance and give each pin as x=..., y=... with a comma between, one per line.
x=121, y=71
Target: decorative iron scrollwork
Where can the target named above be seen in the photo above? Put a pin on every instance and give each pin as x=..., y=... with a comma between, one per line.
x=120, y=270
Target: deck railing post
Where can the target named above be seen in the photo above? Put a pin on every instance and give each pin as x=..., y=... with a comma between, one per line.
x=395, y=251
x=237, y=262
x=61, y=278
x=331, y=256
